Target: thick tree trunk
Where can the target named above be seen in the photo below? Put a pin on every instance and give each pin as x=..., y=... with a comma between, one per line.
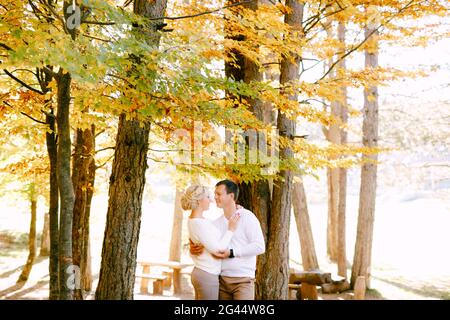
x=65, y=186
x=31, y=242
x=175, y=241
x=82, y=179
x=255, y=196
x=277, y=266
x=272, y=267
x=118, y=267
x=359, y=292
x=117, y=274
x=342, y=184
x=308, y=251
x=366, y=214
x=45, y=238
x=53, y=208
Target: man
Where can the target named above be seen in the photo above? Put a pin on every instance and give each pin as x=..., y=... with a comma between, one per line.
x=237, y=278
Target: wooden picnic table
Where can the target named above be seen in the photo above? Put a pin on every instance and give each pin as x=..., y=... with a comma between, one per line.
x=176, y=272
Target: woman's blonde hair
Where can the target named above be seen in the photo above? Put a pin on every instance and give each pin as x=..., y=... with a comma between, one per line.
x=192, y=195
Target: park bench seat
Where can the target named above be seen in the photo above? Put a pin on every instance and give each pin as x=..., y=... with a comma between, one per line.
x=171, y=269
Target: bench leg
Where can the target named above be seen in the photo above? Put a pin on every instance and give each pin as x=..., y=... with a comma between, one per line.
x=168, y=282
x=158, y=287
x=309, y=292
x=176, y=281
x=292, y=293
x=144, y=282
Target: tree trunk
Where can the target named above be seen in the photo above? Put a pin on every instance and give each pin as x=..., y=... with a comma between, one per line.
x=333, y=178
x=118, y=267
x=360, y=288
x=45, y=77
x=332, y=223
x=342, y=184
x=267, y=113
x=308, y=251
x=272, y=267
x=53, y=208
x=255, y=196
x=64, y=185
x=277, y=266
x=31, y=242
x=45, y=238
x=82, y=180
x=86, y=278
x=366, y=214
x=175, y=242
x=117, y=274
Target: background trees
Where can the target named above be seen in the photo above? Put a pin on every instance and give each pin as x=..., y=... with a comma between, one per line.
x=152, y=69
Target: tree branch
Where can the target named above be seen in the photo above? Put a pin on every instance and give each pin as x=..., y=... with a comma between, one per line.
x=38, y=13
x=364, y=41
x=205, y=12
x=316, y=18
x=6, y=47
x=104, y=163
x=319, y=20
x=173, y=150
x=53, y=11
x=306, y=101
x=127, y=3
x=26, y=115
x=95, y=38
x=23, y=83
x=103, y=149
x=100, y=23
x=28, y=70
x=157, y=160
x=99, y=132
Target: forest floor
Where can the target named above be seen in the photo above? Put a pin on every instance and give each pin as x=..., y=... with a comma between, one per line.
x=411, y=259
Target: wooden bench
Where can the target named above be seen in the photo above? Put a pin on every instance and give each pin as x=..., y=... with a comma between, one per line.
x=158, y=280
x=173, y=277
x=338, y=284
x=305, y=282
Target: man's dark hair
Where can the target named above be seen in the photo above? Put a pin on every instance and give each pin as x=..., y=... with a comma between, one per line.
x=230, y=186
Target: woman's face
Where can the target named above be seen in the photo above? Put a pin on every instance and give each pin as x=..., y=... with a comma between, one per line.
x=204, y=203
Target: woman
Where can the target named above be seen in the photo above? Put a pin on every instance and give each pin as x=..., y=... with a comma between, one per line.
x=205, y=276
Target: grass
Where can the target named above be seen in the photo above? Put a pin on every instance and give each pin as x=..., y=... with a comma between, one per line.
x=374, y=293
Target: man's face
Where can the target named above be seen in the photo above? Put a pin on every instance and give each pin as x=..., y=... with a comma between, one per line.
x=222, y=197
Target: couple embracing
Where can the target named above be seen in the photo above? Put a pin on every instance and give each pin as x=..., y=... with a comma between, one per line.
x=223, y=250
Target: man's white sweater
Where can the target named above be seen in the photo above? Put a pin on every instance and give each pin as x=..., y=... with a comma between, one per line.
x=247, y=243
